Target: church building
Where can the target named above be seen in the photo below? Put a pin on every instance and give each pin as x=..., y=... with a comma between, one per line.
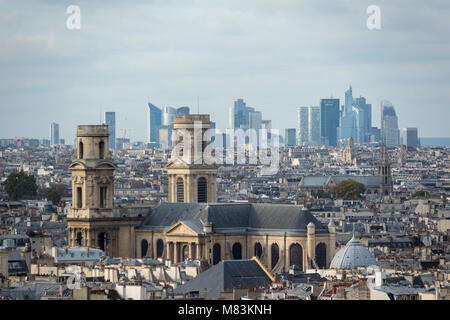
x=191, y=225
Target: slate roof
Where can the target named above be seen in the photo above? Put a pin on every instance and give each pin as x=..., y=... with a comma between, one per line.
x=232, y=217
x=321, y=181
x=226, y=275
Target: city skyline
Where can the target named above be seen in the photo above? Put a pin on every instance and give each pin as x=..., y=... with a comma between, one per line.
x=66, y=76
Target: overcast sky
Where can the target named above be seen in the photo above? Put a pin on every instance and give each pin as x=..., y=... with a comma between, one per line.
x=276, y=54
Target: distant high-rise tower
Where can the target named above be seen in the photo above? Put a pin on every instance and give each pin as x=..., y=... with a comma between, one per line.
x=54, y=140
x=384, y=172
x=308, y=125
x=314, y=125
x=238, y=115
x=110, y=120
x=347, y=123
x=410, y=138
x=389, y=125
x=302, y=125
x=290, y=137
x=167, y=115
x=154, y=118
x=364, y=124
x=329, y=118
x=183, y=110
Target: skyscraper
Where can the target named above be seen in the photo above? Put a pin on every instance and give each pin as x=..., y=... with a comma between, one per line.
x=314, y=125
x=347, y=123
x=389, y=125
x=54, y=133
x=238, y=115
x=154, y=118
x=183, y=110
x=290, y=137
x=167, y=115
x=410, y=138
x=364, y=119
x=110, y=120
x=329, y=118
x=302, y=125
x=308, y=125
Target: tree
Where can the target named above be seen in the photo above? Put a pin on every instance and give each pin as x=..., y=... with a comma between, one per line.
x=348, y=190
x=421, y=194
x=21, y=186
x=53, y=195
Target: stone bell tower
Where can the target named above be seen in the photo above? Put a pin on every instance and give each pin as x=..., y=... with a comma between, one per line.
x=384, y=172
x=192, y=176
x=93, y=221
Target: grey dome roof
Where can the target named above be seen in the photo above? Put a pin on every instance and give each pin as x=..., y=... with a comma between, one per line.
x=353, y=255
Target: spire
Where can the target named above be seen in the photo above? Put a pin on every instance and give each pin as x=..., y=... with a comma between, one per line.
x=353, y=232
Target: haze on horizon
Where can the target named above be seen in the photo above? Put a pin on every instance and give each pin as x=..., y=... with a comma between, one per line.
x=277, y=55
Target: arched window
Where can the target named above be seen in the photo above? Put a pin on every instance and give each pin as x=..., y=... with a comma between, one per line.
x=201, y=190
x=103, y=241
x=237, y=251
x=80, y=150
x=216, y=254
x=258, y=250
x=159, y=248
x=101, y=147
x=144, y=248
x=180, y=190
x=275, y=254
x=321, y=255
x=296, y=255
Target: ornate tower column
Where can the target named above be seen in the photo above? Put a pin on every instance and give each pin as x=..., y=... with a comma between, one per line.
x=192, y=174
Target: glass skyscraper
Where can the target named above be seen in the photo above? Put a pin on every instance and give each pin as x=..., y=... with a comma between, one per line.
x=347, y=123
x=329, y=118
x=110, y=120
x=308, y=125
x=154, y=118
x=389, y=125
x=410, y=138
x=238, y=115
x=54, y=133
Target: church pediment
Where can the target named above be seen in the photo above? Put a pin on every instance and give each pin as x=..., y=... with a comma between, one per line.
x=176, y=164
x=181, y=229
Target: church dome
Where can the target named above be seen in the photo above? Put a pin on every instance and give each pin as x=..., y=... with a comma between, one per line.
x=353, y=255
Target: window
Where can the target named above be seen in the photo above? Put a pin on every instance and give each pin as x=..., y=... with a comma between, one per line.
x=180, y=190
x=80, y=150
x=79, y=197
x=103, y=197
x=202, y=190
x=101, y=147
x=237, y=251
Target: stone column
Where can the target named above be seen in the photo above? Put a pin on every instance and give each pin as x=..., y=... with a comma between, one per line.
x=177, y=252
x=192, y=251
x=310, y=243
x=71, y=237
x=85, y=240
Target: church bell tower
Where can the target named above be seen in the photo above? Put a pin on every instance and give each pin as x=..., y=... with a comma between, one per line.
x=192, y=178
x=93, y=220
x=384, y=172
